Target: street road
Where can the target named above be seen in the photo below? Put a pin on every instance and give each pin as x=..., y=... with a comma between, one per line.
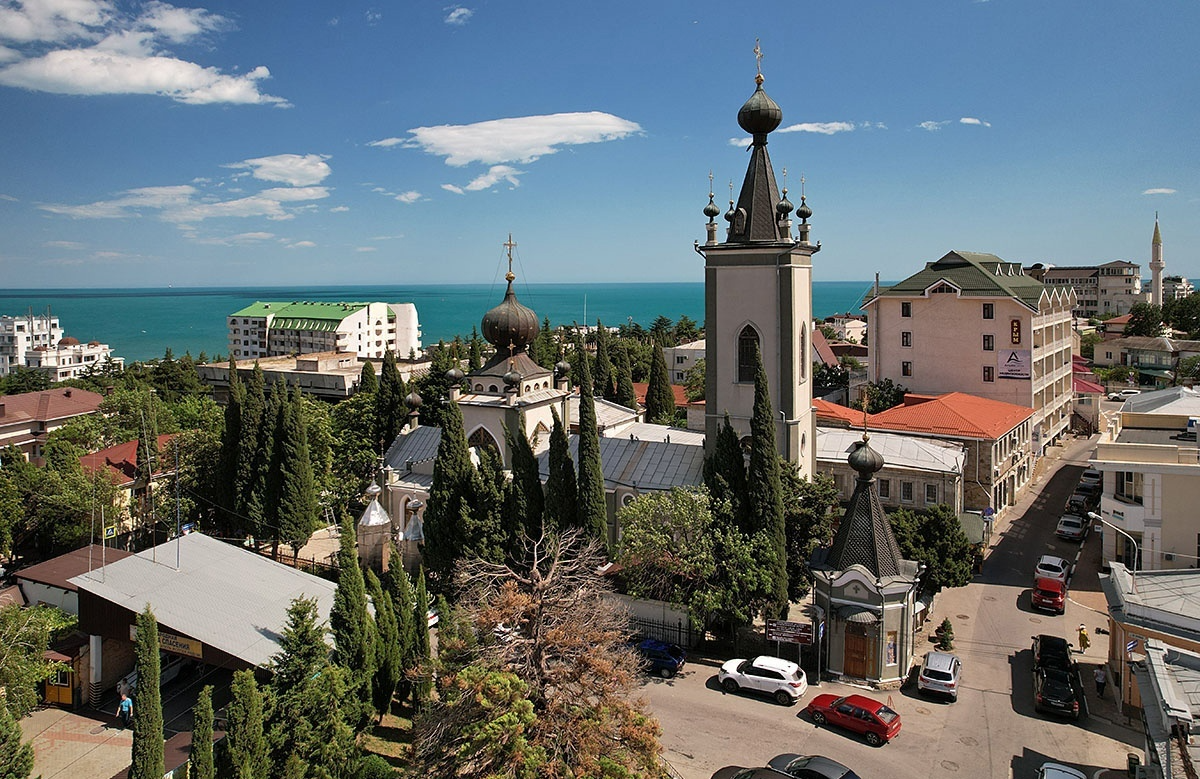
x=992, y=731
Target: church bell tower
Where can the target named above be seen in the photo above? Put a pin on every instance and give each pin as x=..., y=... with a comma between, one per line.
x=758, y=296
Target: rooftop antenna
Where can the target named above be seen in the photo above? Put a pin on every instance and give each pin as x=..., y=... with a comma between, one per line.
x=175, y=441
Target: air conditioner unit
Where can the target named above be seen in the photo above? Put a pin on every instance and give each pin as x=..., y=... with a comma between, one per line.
x=1168, y=556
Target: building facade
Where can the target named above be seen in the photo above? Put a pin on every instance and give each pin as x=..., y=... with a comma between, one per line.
x=681, y=359
x=918, y=473
x=38, y=342
x=21, y=334
x=1010, y=337
x=758, y=299
x=1110, y=289
x=369, y=330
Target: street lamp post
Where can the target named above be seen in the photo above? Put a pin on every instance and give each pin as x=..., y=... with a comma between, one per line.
x=1136, y=556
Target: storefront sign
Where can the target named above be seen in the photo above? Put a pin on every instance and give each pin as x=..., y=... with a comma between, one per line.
x=178, y=645
x=1015, y=331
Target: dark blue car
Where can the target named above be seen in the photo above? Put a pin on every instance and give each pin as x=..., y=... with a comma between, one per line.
x=660, y=658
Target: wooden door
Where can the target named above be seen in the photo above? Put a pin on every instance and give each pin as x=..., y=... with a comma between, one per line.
x=860, y=657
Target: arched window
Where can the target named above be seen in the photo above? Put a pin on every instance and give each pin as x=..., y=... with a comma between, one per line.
x=747, y=345
x=482, y=439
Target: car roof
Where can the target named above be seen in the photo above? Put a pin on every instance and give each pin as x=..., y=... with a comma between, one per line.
x=775, y=663
x=1060, y=771
x=1052, y=643
x=1047, y=583
x=863, y=702
x=1071, y=518
x=939, y=661
x=819, y=763
x=1049, y=558
x=654, y=643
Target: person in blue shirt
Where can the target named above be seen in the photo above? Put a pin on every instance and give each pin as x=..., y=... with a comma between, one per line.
x=125, y=710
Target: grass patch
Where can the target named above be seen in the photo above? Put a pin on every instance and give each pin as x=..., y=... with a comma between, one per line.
x=391, y=739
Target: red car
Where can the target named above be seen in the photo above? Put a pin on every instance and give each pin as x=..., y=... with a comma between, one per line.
x=876, y=722
x=1049, y=594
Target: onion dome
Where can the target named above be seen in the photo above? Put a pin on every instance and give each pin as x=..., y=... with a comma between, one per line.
x=455, y=375
x=413, y=400
x=864, y=459
x=760, y=114
x=562, y=367
x=731, y=213
x=510, y=323
x=69, y=341
x=804, y=212
x=784, y=206
x=373, y=491
x=512, y=378
x=712, y=210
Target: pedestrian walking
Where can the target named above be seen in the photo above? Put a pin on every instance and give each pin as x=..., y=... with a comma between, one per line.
x=125, y=710
x=1084, y=641
x=1101, y=680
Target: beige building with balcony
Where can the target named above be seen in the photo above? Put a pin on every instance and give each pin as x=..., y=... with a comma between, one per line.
x=369, y=330
x=1151, y=467
x=975, y=324
x=1110, y=289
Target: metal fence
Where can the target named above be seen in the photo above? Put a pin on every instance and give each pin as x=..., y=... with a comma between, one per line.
x=679, y=632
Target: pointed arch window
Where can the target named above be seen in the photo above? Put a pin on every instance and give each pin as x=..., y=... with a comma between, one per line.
x=482, y=439
x=746, y=347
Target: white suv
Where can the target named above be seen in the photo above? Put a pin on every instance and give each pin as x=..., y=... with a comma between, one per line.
x=782, y=680
x=1124, y=394
x=939, y=673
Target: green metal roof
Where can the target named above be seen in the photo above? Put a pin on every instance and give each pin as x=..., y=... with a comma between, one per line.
x=303, y=311
x=976, y=275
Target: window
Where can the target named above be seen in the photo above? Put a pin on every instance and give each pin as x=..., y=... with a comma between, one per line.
x=906, y=338
x=680, y=359
x=906, y=491
x=885, y=488
x=931, y=494
x=906, y=368
x=747, y=347
x=989, y=310
x=906, y=309
x=989, y=343
x=989, y=373
x=1129, y=486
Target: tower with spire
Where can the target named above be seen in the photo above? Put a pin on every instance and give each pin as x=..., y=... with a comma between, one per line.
x=1157, y=265
x=758, y=294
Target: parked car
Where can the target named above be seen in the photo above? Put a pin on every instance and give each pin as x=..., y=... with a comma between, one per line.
x=660, y=658
x=1082, y=501
x=1059, y=771
x=857, y=713
x=1051, y=567
x=738, y=772
x=1052, y=652
x=1091, y=476
x=1049, y=595
x=940, y=672
x=810, y=767
x=1124, y=394
x=1056, y=691
x=1072, y=527
x=780, y=679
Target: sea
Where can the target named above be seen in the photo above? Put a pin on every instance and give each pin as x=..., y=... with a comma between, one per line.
x=141, y=324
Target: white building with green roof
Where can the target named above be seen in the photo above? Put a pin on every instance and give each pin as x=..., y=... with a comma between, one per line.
x=271, y=329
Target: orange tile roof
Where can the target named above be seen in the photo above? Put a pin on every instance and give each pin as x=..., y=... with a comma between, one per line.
x=640, y=388
x=836, y=413
x=121, y=460
x=954, y=414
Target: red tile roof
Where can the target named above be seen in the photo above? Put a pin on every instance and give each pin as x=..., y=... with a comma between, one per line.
x=836, y=413
x=61, y=403
x=1081, y=386
x=121, y=461
x=821, y=345
x=640, y=388
x=954, y=414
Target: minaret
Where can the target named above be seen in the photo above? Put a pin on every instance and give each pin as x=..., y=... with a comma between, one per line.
x=1156, y=266
x=758, y=293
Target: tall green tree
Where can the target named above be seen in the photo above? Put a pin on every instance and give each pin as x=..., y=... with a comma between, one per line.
x=201, y=753
x=544, y=349
x=231, y=441
x=449, y=508
x=604, y=384
x=686, y=330
x=298, y=512
x=16, y=757
x=25, y=635
x=660, y=398
x=251, y=473
x=245, y=740
x=422, y=653
x=398, y=584
x=662, y=331
x=526, y=500
x=694, y=381
x=560, y=484
x=591, y=508
x=389, y=403
x=808, y=523
x=489, y=532
x=147, y=762
x=474, y=351
x=626, y=395
x=387, y=646
x=353, y=629
x=354, y=455
x=881, y=395
x=367, y=380
x=269, y=458
x=935, y=537
x=1145, y=319
x=434, y=385
x=302, y=649
x=1184, y=314
x=765, y=491
x=725, y=476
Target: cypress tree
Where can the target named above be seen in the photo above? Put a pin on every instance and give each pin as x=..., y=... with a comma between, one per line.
x=147, y=760
x=404, y=602
x=490, y=535
x=298, y=511
x=422, y=655
x=626, y=395
x=725, y=475
x=276, y=430
x=16, y=758
x=765, y=491
x=528, y=502
x=475, y=355
x=302, y=649
x=367, y=380
x=591, y=510
x=201, y=753
x=604, y=385
x=231, y=438
x=353, y=629
x=660, y=399
x=387, y=646
x=449, y=507
x=544, y=350
x=250, y=432
x=560, y=484
x=389, y=402
x=245, y=742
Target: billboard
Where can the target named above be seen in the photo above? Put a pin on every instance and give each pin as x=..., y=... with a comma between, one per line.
x=1013, y=364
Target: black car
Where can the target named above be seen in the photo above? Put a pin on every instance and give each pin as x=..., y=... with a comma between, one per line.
x=810, y=767
x=737, y=772
x=1056, y=691
x=1052, y=652
x=660, y=658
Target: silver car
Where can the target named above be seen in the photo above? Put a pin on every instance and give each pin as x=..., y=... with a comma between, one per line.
x=1072, y=527
x=940, y=673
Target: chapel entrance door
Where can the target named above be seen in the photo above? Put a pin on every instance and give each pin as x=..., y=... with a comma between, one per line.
x=861, y=655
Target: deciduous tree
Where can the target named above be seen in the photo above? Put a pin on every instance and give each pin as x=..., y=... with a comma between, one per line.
x=25, y=635
x=1145, y=319
x=808, y=523
x=933, y=536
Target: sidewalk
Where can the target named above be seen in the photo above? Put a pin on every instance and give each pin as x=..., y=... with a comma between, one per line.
x=69, y=744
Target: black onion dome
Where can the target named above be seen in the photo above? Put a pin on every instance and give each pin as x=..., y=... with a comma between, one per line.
x=562, y=367
x=512, y=378
x=784, y=206
x=712, y=210
x=804, y=212
x=760, y=114
x=455, y=374
x=865, y=460
x=510, y=323
x=413, y=400
x=731, y=213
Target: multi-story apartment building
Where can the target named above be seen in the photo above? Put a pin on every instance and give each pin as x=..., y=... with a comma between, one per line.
x=1176, y=288
x=366, y=329
x=37, y=342
x=681, y=359
x=20, y=334
x=976, y=324
x=1151, y=485
x=1108, y=289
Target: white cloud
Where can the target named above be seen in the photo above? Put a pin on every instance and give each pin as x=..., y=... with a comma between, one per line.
x=9, y=198
x=932, y=126
x=364, y=249
x=301, y=245
x=823, y=128
x=339, y=209
x=741, y=141
x=1159, y=191
x=291, y=169
x=494, y=176
x=452, y=188
x=973, y=120
x=519, y=139
x=411, y=196
x=182, y=205
x=130, y=203
x=459, y=15
x=88, y=47
x=64, y=245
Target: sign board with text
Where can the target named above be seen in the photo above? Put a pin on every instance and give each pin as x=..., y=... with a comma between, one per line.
x=789, y=632
x=1014, y=364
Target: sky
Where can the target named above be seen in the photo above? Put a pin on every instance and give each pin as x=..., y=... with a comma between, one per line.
x=300, y=142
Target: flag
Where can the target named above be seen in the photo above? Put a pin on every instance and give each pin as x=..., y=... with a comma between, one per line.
x=1132, y=645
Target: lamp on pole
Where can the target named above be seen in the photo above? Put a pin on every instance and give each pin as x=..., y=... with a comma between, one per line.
x=1136, y=556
